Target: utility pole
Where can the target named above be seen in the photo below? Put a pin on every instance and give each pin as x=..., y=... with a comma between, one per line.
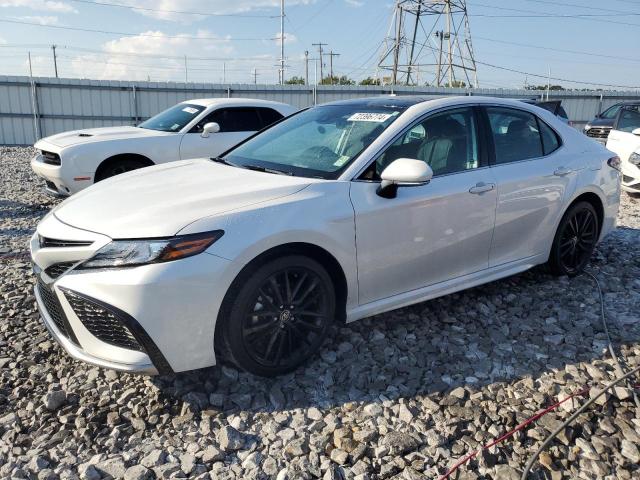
x=320, y=45
x=186, y=75
x=449, y=41
x=331, y=55
x=224, y=72
x=255, y=76
x=30, y=69
x=306, y=67
x=55, y=59
x=281, y=42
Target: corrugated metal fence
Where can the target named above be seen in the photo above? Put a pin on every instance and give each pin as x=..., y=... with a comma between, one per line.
x=38, y=107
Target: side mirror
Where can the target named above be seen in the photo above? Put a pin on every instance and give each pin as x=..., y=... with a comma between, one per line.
x=209, y=128
x=636, y=132
x=403, y=172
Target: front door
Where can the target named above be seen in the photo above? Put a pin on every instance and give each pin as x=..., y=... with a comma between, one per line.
x=236, y=124
x=429, y=233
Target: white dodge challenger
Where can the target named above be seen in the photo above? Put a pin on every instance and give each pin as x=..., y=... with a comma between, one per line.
x=71, y=161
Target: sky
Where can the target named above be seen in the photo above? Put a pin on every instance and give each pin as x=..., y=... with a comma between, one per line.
x=238, y=40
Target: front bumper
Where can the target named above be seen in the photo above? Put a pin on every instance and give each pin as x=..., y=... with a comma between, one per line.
x=102, y=316
x=79, y=354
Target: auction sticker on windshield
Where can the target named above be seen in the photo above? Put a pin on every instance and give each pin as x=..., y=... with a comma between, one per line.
x=370, y=117
x=190, y=110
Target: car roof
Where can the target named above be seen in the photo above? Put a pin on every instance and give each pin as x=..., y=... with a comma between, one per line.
x=405, y=102
x=208, y=102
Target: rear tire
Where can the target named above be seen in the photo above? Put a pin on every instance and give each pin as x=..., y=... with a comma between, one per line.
x=575, y=240
x=276, y=316
x=116, y=167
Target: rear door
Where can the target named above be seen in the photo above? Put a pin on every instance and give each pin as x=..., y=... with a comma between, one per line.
x=534, y=175
x=236, y=124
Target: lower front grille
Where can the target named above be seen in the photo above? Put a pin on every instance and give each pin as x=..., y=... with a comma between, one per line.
x=102, y=323
x=54, y=310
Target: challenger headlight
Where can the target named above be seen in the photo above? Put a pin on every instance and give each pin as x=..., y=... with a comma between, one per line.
x=634, y=159
x=129, y=253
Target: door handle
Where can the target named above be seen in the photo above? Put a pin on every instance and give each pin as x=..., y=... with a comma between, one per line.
x=482, y=187
x=562, y=171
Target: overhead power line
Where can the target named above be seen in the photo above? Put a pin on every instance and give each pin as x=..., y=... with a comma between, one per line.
x=130, y=34
x=182, y=12
x=583, y=7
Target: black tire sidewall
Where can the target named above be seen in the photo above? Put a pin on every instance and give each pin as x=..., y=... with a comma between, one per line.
x=555, y=262
x=243, y=291
x=108, y=172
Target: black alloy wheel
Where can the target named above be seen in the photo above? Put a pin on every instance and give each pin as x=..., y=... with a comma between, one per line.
x=575, y=240
x=280, y=316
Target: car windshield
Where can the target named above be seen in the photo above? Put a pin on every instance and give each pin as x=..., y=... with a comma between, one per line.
x=319, y=142
x=173, y=119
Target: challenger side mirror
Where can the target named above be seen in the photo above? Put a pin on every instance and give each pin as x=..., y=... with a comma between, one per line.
x=403, y=172
x=209, y=128
x=636, y=132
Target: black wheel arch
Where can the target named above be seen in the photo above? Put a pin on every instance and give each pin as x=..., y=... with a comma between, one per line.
x=319, y=254
x=107, y=162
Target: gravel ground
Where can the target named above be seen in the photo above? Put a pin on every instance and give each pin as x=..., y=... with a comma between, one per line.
x=402, y=395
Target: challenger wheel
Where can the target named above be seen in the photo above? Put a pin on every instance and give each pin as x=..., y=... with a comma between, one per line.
x=116, y=167
x=278, y=315
x=575, y=240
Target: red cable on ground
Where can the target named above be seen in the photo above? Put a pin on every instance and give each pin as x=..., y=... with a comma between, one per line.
x=538, y=415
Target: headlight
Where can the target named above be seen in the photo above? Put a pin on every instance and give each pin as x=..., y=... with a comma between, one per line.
x=129, y=253
x=634, y=159
x=587, y=127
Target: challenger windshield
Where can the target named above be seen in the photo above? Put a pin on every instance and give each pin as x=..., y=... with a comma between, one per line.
x=173, y=119
x=319, y=142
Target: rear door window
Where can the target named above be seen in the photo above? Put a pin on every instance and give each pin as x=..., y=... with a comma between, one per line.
x=515, y=134
x=550, y=140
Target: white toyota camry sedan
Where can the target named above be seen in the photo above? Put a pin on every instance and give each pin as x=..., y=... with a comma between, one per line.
x=71, y=161
x=339, y=212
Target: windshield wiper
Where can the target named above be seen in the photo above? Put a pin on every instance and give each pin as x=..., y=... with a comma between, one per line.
x=259, y=168
x=223, y=161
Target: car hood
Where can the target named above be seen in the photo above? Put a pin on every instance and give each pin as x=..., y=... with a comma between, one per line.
x=601, y=122
x=91, y=135
x=161, y=200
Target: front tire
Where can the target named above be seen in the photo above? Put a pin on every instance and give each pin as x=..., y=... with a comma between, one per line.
x=276, y=316
x=575, y=240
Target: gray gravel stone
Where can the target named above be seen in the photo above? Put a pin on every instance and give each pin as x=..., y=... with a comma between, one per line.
x=402, y=395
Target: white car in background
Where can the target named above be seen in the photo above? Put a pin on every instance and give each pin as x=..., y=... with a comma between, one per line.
x=624, y=140
x=339, y=212
x=71, y=161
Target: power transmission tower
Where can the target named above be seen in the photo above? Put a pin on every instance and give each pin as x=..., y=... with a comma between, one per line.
x=55, y=59
x=320, y=45
x=331, y=55
x=429, y=39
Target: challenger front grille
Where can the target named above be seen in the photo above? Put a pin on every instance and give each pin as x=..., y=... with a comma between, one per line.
x=102, y=323
x=57, y=269
x=50, y=158
x=598, y=132
x=46, y=242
